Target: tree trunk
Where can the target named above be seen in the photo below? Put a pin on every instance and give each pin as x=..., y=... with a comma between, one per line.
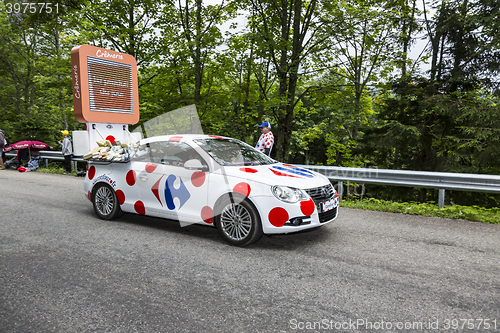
x=198, y=66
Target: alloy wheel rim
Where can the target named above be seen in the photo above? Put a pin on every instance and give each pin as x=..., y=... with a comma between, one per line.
x=104, y=200
x=236, y=221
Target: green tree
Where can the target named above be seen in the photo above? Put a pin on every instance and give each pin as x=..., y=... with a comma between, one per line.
x=288, y=33
x=324, y=131
x=191, y=35
x=465, y=42
x=363, y=36
x=125, y=26
x=35, y=97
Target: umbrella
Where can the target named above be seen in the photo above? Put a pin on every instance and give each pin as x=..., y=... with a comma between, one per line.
x=29, y=145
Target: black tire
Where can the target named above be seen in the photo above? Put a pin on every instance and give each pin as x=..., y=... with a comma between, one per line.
x=105, y=202
x=238, y=222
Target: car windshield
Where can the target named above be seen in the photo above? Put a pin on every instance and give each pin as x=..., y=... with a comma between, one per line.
x=233, y=152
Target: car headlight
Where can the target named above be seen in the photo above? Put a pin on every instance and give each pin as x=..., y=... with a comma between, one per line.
x=289, y=194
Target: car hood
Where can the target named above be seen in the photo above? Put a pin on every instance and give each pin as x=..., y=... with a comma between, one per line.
x=278, y=174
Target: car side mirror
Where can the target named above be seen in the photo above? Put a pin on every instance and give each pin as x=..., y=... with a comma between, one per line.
x=195, y=164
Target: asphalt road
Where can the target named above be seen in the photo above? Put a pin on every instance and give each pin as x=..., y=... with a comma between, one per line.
x=64, y=270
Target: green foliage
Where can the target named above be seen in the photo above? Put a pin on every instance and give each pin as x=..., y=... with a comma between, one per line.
x=54, y=170
x=465, y=45
x=327, y=122
x=421, y=129
x=470, y=213
x=35, y=95
x=342, y=151
x=334, y=78
x=125, y=26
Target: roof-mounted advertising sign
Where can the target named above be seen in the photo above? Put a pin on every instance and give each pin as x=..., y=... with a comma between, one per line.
x=104, y=86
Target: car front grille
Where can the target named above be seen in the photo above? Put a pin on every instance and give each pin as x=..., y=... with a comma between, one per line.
x=327, y=216
x=323, y=194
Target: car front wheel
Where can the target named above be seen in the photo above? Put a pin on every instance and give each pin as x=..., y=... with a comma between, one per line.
x=105, y=202
x=238, y=222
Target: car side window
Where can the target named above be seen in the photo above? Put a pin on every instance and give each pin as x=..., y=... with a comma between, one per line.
x=167, y=152
x=142, y=154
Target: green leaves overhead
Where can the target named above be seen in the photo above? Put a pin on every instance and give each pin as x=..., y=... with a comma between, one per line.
x=336, y=79
x=128, y=26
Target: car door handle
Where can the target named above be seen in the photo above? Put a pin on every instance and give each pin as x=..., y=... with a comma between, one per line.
x=144, y=177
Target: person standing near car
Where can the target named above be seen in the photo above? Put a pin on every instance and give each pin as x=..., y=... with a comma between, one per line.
x=66, y=150
x=266, y=140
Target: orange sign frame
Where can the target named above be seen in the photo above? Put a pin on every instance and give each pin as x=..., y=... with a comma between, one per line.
x=105, y=86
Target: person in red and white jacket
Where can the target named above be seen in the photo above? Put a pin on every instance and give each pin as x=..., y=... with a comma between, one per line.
x=266, y=140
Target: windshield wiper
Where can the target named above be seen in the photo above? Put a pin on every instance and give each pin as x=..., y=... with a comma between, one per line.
x=254, y=163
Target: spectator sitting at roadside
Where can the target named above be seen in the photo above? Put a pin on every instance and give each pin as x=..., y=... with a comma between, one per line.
x=33, y=164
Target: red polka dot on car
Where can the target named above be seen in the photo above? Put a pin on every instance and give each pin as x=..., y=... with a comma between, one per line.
x=278, y=216
x=139, y=208
x=131, y=178
x=89, y=195
x=207, y=214
x=249, y=170
x=198, y=178
x=242, y=188
x=121, y=197
x=91, y=172
x=150, y=167
x=307, y=207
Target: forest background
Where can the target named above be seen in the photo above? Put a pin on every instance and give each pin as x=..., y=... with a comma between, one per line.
x=334, y=78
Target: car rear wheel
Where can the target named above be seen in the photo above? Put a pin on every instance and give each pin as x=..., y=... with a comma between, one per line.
x=105, y=202
x=238, y=222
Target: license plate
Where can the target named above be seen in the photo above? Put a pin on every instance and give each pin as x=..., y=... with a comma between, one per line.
x=329, y=205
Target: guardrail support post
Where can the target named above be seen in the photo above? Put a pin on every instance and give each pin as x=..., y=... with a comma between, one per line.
x=46, y=163
x=340, y=189
x=441, y=198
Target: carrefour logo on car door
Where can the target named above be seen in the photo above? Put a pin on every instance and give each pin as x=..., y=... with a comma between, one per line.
x=171, y=192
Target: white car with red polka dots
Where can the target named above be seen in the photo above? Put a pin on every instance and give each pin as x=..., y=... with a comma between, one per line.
x=212, y=180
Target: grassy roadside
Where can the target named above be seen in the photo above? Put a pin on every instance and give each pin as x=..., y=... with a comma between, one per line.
x=55, y=170
x=470, y=213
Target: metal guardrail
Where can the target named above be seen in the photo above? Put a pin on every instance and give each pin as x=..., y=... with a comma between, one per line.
x=52, y=155
x=440, y=180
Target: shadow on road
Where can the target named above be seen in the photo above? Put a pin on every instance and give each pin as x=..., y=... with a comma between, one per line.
x=287, y=242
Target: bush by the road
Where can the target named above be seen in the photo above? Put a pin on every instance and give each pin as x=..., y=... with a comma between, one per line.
x=470, y=213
